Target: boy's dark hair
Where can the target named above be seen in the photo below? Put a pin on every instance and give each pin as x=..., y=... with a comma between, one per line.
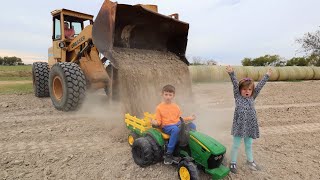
x=169, y=88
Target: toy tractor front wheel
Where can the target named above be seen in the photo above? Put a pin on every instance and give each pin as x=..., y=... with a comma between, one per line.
x=187, y=170
x=142, y=152
x=131, y=138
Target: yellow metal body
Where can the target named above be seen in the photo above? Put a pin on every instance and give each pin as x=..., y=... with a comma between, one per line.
x=79, y=49
x=144, y=124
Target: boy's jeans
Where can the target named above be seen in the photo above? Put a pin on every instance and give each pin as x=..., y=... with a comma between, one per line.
x=173, y=131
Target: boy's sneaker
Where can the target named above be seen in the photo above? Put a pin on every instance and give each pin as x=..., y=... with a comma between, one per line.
x=169, y=159
x=253, y=166
x=233, y=168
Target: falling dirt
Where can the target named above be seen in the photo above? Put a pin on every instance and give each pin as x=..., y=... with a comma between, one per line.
x=143, y=73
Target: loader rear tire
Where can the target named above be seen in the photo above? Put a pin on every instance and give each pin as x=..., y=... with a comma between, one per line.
x=40, y=78
x=142, y=152
x=67, y=86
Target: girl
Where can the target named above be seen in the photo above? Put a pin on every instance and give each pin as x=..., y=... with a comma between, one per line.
x=245, y=123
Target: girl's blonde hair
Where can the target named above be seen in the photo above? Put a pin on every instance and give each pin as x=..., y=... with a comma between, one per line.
x=246, y=82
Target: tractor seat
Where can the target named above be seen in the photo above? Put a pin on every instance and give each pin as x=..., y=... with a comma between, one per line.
x=164, y=135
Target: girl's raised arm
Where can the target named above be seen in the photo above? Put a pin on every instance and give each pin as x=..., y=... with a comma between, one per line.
x=262, y=83
x=234, y=81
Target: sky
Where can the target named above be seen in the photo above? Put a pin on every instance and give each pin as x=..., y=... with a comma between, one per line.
x=223, y=30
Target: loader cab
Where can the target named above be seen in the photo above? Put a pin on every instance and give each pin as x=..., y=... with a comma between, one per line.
x=76, y=21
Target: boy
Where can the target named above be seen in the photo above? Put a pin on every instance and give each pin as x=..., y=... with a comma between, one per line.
x=168, y=117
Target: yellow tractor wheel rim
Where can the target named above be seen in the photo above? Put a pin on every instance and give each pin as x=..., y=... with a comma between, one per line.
x=130, y=139
x=57, y=88
x=184, y=173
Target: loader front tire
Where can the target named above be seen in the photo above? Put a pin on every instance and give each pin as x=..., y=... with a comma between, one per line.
x=40, y=78
x=67, y=86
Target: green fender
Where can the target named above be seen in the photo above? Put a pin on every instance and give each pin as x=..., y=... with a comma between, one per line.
x=156, y=135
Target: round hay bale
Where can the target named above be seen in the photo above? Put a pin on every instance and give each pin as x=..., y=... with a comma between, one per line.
x=240, y=72
x=309, y=72
x=291, y=73
x=193, y=73
x=208, y=73
x=222, y=73
x=199, y=73
x=275, y=73
x=263, y=70
x=252, y=72
x=316, y=71
x=283, y=74
x=299, y=72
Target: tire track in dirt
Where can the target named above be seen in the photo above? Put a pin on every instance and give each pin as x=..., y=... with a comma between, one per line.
x=52, y=146
x=273, y=106
x=290, y=129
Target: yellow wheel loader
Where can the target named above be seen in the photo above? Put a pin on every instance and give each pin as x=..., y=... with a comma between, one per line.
x=77, y=63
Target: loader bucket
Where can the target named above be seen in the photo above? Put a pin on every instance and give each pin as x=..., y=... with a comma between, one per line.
x=140, y=27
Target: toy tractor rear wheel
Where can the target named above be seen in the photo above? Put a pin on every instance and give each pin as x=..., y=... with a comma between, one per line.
x=157, y=151
x=67, y=86
x=142, y=152
x=187, y=170
x=131, y=138
x=40, y=78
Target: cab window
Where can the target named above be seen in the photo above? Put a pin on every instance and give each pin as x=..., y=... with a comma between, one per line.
x=57, y=29
x=77, y=28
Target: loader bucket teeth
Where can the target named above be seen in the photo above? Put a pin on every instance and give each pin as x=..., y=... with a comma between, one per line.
x=136, y=26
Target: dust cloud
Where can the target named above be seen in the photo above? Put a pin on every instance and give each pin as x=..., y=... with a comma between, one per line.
x=104, y=113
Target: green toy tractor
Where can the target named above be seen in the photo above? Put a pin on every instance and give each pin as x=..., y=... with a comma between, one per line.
x=200, y=152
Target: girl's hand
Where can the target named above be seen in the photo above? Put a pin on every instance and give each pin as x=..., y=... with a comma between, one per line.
x=192, y=117
x=269, y=72
x=229, y=69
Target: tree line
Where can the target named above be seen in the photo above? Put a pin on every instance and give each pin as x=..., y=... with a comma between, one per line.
x=10, y=61
x=276, y=60
x=310, y=45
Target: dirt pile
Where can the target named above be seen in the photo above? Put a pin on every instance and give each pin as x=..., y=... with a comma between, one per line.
x=143, y=73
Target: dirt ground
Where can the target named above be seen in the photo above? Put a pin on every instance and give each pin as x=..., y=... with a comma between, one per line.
x=39, y=142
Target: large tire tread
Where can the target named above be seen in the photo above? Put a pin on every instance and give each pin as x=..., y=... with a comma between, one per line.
x=40, y=77
x=75, y=83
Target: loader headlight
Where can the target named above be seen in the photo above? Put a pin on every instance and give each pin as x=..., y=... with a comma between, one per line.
x=62, y=44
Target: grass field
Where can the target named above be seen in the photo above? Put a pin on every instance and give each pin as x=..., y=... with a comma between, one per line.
x=10, y=74
x=16, y=68
x=16, y=88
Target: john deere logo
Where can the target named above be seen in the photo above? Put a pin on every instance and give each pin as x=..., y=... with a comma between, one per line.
x=77, y=42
